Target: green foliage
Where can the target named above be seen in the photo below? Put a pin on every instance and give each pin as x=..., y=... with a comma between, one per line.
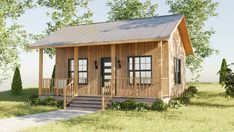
x=12, y=36
x=129, y=104
x=228, y=82
x=175, y=104
x=185, y=97
x=192, y=89
x=129, y=9
x=159, y=105
x=64, y=13
x=49, y=101
x=196, y=13
x=223, y=72
x=16, y=85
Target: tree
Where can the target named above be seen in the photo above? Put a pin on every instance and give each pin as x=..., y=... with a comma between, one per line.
x=129, y=9
x=196, y=13
x=16, y=85
x=223, y=72
x=12, y=36
x=64, y=13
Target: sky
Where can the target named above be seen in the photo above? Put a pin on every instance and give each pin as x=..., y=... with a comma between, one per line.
x=34, y=21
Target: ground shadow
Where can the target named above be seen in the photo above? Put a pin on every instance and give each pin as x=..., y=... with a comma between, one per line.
x=206, y=104
x=6, y=95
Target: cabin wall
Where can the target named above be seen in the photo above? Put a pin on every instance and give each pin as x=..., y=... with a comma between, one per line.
x=176, y=49
x=95, y=53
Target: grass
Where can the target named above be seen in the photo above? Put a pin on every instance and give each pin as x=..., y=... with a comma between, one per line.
x=11, y=106
x=210, y=110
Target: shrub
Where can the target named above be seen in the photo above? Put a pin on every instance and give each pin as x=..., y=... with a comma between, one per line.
x=159, y=105
x=223, y=72
x=175, y=104
x=16, y=85
x=129, y=104
x=34, y=100
x=116, y=106
x=50, y=101
x=185, y=96
x=59, y=104
x=193, y=89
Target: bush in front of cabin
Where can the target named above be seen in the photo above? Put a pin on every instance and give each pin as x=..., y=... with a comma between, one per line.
x=175, y=104
x=129, y=104
x=49, y=101
x=159, y=105
x=184, y=98
x=192, y=89
x=16, y=85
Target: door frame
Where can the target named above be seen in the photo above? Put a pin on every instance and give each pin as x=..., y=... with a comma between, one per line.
x=102, y=69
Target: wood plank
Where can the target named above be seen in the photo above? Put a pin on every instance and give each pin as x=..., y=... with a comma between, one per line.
x=113, y=66
x=40, y=71
x=76, y=54
x=160, y=62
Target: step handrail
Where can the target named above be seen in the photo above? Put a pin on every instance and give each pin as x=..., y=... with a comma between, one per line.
x=71, y=96
x=107, y=93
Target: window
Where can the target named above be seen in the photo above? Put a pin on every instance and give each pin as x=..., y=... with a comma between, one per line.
x=177, y=70
x=139, y=69
x=71, y=68
x=82, y=72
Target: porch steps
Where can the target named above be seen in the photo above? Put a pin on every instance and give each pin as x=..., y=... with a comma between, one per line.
x=89, y=103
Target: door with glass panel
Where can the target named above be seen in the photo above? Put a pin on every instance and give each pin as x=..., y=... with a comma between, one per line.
x=105, y=70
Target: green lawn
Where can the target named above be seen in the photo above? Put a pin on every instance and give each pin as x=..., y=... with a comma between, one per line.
x=11, y=106
x=210, y=110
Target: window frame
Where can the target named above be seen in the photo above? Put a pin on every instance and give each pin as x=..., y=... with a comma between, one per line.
x=177, y=71
x=69, y=67
x=83, y=71
x=140, y=70
x=70, y=71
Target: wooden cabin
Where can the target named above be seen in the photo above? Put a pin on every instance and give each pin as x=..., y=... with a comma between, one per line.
x=142, y=59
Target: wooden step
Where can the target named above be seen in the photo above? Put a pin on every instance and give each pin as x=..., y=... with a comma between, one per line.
x=86, y=98
x=83, y=109
x=88, y=103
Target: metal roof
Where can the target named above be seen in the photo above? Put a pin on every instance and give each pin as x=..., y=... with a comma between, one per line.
x=152, y=28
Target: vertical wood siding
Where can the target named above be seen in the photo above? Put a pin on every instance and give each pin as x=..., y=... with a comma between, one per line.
x=176, y=49
x=95, y=53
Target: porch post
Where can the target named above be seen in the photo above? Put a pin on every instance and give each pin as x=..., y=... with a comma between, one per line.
x=40, y=71
x=113, y=67
x=76, y=70
x=160, y=62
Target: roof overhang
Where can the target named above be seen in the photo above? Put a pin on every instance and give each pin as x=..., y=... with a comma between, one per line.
x=98, y=43
x=185, y=37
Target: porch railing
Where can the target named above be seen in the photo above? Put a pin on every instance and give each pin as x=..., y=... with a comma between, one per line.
x=107, y=93
x=69, y=94
x=136, y=87
x=54, y=86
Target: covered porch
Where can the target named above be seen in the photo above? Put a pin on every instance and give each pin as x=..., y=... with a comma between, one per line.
x=106, y=77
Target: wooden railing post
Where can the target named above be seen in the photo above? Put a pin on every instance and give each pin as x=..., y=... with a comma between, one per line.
x=113, y=67
x=76, y=50
x=160, y=62
x=103, y=99
x=65, y=98
x=40, y=71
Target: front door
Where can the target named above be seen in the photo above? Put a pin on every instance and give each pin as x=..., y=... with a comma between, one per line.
x=105, y=70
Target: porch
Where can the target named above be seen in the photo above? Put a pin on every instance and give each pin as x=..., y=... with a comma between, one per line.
x=108, y=71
